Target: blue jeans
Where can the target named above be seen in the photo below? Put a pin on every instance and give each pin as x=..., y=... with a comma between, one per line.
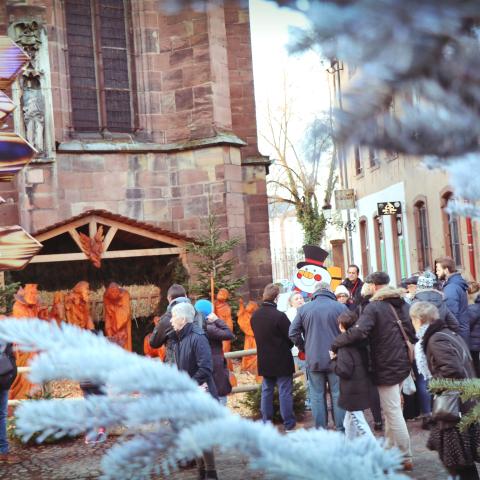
x=3, y=421
x=424, y=396
x=317, y=383
x=302, y=366
x=285, y=394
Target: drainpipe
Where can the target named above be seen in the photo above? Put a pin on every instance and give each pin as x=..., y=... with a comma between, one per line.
x=471, y=254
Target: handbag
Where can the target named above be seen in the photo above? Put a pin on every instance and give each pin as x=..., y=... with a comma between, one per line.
x=408, y=386
x=410, y=347
x=446, y=407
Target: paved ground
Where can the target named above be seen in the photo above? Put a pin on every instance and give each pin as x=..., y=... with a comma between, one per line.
x=72, y=460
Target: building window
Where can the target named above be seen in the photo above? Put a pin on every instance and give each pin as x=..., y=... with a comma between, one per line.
x=358, y=161
x=99, y=64
x=378, y=232
x=364, y=245
x=373, y=157
x=451, y=227
x=422, y=234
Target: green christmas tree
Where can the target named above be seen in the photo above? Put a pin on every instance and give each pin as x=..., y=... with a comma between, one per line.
x=212, y=259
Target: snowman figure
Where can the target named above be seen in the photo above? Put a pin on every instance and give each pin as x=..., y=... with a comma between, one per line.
x=311, y=271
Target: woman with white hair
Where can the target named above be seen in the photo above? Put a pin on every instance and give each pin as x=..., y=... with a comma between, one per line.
x=194, y=356
x=448, y=357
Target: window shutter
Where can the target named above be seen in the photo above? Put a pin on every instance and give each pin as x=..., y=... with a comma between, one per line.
x=81, y=57
x=113, y=38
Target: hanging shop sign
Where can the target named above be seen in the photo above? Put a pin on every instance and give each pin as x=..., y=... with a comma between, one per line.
x=345, y=199
x=389, y=208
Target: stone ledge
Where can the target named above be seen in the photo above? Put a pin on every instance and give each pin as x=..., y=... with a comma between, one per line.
x=102, y=146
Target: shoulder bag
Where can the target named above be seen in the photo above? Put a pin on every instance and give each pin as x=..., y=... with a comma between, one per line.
x=409, y=344
x=6, y=364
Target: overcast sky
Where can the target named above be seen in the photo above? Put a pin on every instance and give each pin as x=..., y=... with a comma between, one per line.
x=305, y=74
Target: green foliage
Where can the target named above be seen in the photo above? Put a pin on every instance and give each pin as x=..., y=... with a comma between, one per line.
x=7, y=297
x=311, y=219
x=212, y=259
x=469, y=390
x=252, y=402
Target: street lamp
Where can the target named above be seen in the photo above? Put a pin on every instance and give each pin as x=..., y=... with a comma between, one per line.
x=349, y=226
x=327, y=213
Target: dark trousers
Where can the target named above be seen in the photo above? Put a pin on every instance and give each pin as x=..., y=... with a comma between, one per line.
x=285, y=394
x=476, y=361
x=375, y=405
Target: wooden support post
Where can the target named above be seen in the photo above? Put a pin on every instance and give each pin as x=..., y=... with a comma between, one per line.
x=92, y=228
x=109, y=237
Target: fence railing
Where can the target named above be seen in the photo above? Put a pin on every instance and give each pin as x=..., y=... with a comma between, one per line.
x=236, y=354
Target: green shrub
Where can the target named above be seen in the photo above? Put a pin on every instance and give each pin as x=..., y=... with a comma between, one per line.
x=252, y=402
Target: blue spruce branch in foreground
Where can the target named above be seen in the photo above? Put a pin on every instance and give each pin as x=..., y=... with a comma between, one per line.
x=167, y=417
x=469, y=390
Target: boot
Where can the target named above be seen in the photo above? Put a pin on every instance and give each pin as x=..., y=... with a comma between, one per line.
x=210, y=475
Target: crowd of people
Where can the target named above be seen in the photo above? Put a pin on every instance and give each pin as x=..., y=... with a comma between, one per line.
x=363, y=344
x=368, y=345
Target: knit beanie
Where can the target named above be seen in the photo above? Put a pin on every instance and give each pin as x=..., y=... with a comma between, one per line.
x=426, y=281
x=204, y=306
x=342, y=290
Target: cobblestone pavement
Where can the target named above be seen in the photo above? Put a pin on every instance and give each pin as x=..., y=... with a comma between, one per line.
x=74, y=460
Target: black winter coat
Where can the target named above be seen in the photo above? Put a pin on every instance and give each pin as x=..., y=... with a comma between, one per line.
x=7, y=379
x=437, y=298
x=217, y=332
x=377, y=323
x=355, y=289
x=270, y=328
x=474, y=317
x=163, y=333
x=351, y=365
x=315, y=328
x=193, y=355
x=447, y=353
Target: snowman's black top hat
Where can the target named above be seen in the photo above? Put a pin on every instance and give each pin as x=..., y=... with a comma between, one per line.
x=313, y=256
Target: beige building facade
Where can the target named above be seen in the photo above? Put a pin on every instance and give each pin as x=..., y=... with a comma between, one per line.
x=407, y=242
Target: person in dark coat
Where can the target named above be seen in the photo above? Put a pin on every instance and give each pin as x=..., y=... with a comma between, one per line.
x=163, y=333
x=474, y=317
x=390, y=360
x=367, y=293
x=426, y=292
x=274, y=355
x=354, y=284
x=217, y=331
x=448, y=357
x=313, y=330
x=351, y=365
x=455, y=291
x=6, y=382
x=193, y=355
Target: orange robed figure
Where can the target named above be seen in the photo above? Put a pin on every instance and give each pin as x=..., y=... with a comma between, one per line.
x=57, y=312
x=249, y=364
x=118, y=316
x=223, y=311
x=153, y=352
x=26, y=306
x=77, y=306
